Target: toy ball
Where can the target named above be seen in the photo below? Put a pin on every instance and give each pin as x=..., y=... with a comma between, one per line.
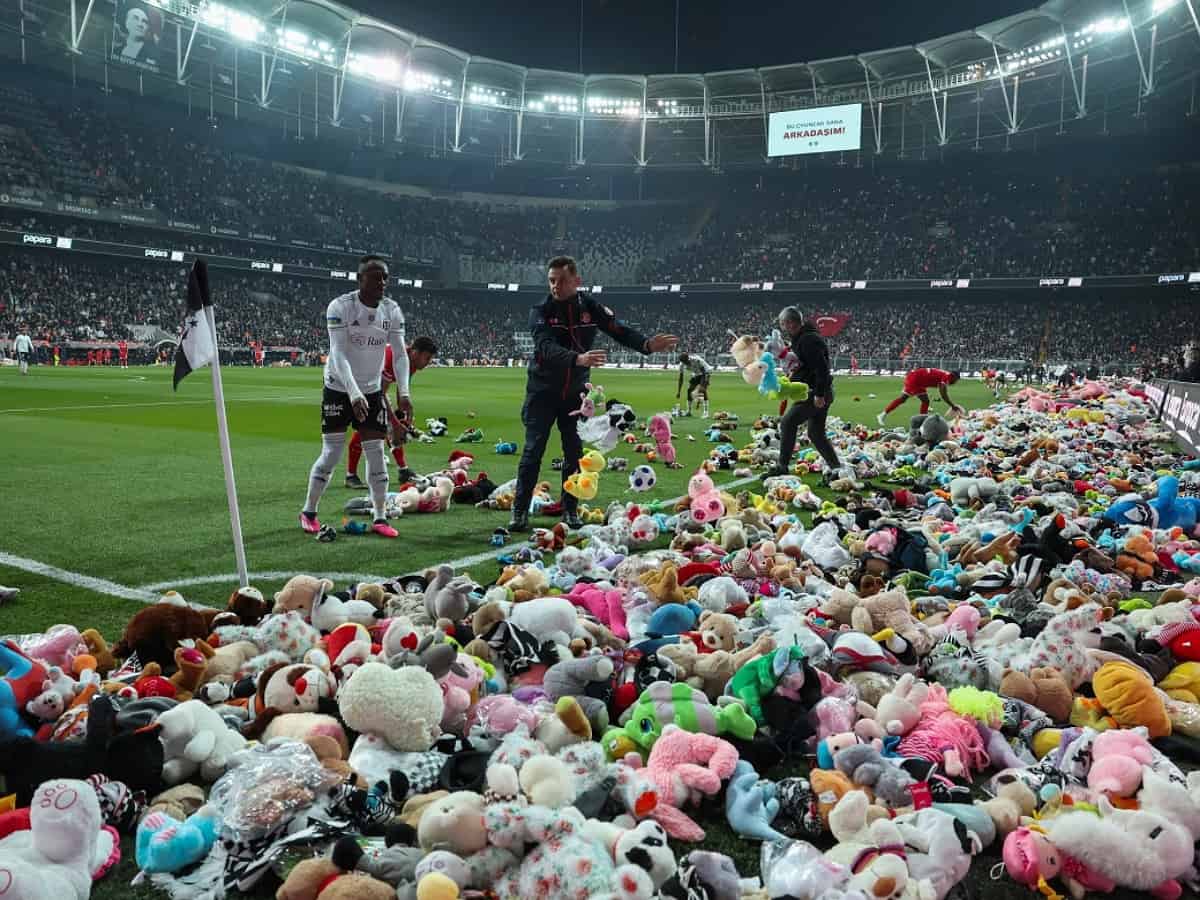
x=642, y=478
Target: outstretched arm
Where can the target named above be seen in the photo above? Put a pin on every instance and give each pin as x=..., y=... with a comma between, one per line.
x=946, y=397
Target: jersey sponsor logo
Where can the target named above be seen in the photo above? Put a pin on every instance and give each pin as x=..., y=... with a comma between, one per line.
x=355, y=323
x=334, y=320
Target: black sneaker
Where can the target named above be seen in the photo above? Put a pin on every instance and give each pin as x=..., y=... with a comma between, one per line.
x=405, y=474
x=775, y=473
x=520, y=522
x=353, y=481
x=572, y=520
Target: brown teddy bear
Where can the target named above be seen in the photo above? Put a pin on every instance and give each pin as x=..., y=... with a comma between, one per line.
x=311, y=878
x=300, y=593
x=1044, y=687
x=190, y=667
x=155, y=631
x=663, y=585
x=709, y=658
x=248, y=604
x=99, y=651
x=1137, y=558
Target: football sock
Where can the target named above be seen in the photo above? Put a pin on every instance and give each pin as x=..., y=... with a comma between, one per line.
x=354, y=454
x=322, y=470
x=377, y=476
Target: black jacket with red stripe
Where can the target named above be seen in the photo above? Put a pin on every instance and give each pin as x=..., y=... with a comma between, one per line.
x=561, y=330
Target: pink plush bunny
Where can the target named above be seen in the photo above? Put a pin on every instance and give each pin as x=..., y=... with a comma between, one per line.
x=684, y=767
x=660, y=430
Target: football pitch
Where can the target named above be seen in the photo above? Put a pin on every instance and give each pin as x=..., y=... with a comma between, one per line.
x=113, y=487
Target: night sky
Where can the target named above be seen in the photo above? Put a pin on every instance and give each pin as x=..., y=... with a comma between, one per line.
x=637, y=36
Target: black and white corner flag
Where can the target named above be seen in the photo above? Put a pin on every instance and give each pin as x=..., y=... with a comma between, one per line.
x=197, y=343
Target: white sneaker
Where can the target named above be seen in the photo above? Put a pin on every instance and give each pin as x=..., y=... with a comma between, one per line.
x=879, y=418
x=7, y=593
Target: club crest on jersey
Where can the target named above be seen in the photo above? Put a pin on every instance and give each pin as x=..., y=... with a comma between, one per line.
x=386, y=325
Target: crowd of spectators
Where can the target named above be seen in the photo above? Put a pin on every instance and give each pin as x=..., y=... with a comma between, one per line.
x=93, y=298
x=952, y=220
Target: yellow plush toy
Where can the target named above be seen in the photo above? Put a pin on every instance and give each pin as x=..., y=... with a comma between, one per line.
x=1129, y=695
x=583, y=485
x=1183, y=683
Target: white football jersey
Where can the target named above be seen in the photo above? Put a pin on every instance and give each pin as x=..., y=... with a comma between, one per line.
x=369, y=331
x=697, y=364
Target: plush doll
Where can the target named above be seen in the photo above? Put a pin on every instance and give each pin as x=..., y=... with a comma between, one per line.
x=865, y=766
x=322, y=877
x=55, y=857
x=1117, y=759
x=1137, y=559
x=759, y=677
x=403, y=706
x=708, y=660
x=165, y=844
x=938, y=848
x=662, y=704
x=195, y=740
x=448, y=596
x=897, y=713
x=156, y=630
x=22, y=680
x=751, y=804
x=1129, y=695
x=1128, y=848
x=329, y=611
x=683, y=767
x=944, y=737
x=873, y=852
x=578, y=678
x=1167, y=510
x=660, y=430
x=299, y=594
x=605, y=605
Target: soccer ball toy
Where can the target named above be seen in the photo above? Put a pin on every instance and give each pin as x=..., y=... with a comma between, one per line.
x=642, y=478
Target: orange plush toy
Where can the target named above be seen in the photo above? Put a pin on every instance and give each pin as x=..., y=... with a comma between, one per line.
x=1137, y=558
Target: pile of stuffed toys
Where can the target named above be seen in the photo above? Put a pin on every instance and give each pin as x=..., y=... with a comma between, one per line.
x=987, y=645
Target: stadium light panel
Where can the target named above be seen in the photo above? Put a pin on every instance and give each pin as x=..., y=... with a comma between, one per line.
x=1161, y=6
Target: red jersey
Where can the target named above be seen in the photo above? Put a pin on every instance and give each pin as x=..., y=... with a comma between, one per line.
x=388, y=374
x=924, y=379
x=122, y=349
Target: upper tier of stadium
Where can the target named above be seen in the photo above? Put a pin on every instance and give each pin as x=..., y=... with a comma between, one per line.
x=1075, y=65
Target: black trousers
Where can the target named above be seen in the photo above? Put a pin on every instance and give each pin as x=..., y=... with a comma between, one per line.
x=541, y=412
x=789, y=425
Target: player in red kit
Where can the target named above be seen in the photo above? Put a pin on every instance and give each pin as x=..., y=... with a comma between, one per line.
x=123, y=353
x=420, y=354
x=917, y=384
x=259, y=356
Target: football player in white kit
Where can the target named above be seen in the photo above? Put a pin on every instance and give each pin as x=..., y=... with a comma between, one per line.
x=361, y=325
x=701, y=375
x=23, y=348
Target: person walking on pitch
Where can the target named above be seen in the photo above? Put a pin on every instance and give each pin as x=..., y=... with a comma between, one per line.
x=361, y=325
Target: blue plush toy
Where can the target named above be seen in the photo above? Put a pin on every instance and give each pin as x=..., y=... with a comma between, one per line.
x=673, y=618
x=506, y=448
x=751, y=805
x=1166, y=510
x=164, y=844
x=769, y=386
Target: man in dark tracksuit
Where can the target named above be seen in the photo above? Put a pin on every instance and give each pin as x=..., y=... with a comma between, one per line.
x=812, y=367
x=564, y=328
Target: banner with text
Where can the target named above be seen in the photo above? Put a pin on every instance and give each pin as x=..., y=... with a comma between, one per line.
x=1178, y=405
x=137, y=31
x=819, y=130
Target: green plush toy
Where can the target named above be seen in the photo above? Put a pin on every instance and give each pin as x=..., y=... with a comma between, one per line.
x=758, y=678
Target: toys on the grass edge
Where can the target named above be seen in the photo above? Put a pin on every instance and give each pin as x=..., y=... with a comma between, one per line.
x=500, y=537
x=585, y=483
x=470, y=436
x=505, y=448
x=706, y=503
x=590, y=398
x=436, y=427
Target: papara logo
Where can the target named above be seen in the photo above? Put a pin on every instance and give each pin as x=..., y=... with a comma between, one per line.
x=40, y=240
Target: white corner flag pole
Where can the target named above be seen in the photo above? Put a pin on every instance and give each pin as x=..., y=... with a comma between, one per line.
x=235, y=518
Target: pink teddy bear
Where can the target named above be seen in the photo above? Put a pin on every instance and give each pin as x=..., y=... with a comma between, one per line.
x=683, y=767
x=660, y=430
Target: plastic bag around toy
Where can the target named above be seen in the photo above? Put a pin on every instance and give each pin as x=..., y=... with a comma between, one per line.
x=267, y=785
x=798, y=869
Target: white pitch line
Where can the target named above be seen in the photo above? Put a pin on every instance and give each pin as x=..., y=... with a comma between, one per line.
x=99, y=585
x=32, y=409
x=254, y=576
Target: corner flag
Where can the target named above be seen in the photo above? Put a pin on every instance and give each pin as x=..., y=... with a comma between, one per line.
x=197, y=343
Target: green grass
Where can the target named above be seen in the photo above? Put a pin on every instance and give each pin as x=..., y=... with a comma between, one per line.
x=109, y=474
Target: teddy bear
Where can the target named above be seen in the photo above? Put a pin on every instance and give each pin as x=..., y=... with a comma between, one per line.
x=196, y=741
x=523, y=582
x=156, y=630
x=891, y=610
x=1137, y=558
x=300, y=593
x=708, y=659
x=322, y=877
x=54, y=858
x=1014, y=801
x=329, y=611
x=873, y=852
x=403, y=706
x=663, y=585
x=1043, y=687
x=190, y=667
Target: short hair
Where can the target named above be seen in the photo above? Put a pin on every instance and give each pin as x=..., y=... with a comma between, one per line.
x=790, y=314
x=365, y=261
x=564, y=262
x=683, y=357
x=424, y=344
x=954, y=376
